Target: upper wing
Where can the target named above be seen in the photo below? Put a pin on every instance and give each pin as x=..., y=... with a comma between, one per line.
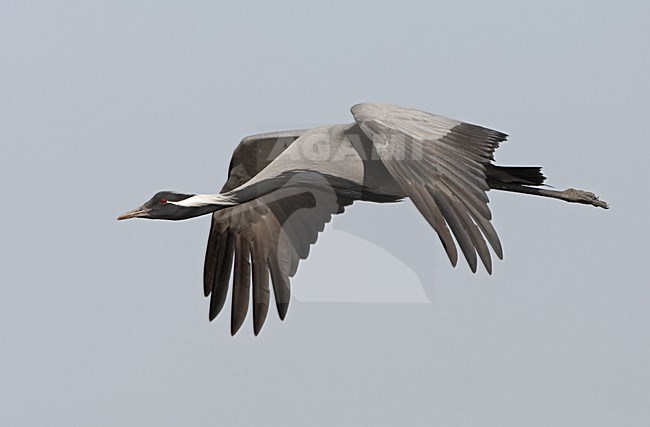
x=254, y=153
x=440, y=163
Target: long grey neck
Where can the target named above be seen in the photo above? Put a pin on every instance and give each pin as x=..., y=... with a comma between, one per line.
x=300, y=180
x=203, y=204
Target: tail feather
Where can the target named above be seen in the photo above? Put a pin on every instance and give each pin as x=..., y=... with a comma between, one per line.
x=524, y=175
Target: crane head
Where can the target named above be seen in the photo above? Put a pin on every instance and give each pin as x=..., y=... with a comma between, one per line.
x=163, y=205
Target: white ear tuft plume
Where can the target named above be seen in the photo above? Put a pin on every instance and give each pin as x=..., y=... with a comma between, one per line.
x=204, y=200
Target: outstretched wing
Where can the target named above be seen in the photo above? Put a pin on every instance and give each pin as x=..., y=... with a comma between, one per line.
x=266, y=237
x=440, y=163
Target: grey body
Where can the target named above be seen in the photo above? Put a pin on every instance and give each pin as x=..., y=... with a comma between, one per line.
x=283, y=187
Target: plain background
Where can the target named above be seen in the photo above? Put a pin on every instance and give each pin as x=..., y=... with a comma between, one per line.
x=103, y=103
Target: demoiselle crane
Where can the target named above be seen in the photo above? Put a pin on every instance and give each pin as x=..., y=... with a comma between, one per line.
x=283, y=187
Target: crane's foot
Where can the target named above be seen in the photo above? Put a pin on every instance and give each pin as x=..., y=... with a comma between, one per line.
x=585, y=197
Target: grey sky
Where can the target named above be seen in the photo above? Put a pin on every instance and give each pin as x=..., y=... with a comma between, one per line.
x=104, y=103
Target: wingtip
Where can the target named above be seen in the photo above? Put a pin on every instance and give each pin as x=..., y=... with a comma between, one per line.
x=257, y=329
x=234, y=328
x=282, y=310
x=453, y=260
x=211, y=312
x=488, y=268
x=259, y=317
x=215, y=307
x=473, y=267
x=236, y=321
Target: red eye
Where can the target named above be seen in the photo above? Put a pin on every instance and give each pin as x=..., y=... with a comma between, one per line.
x=163, y=201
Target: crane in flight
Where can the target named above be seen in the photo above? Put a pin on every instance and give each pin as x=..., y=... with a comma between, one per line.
x=283, y=187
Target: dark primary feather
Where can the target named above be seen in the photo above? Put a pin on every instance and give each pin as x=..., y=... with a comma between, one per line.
x=261, y=292
x=221, y=277
x=241, y=284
